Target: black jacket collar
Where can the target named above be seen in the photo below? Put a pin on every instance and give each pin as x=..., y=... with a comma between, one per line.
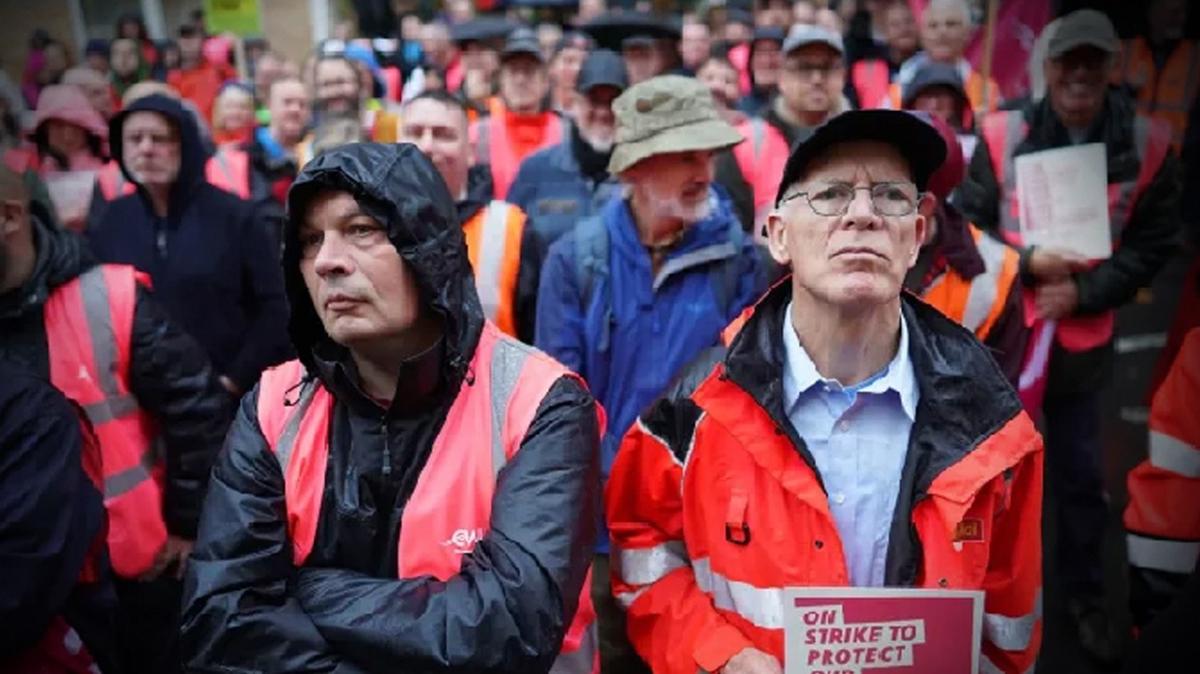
x=964, y=400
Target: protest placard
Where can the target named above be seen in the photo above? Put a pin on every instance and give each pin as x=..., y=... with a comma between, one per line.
x=882, y=631
x=1063, y=196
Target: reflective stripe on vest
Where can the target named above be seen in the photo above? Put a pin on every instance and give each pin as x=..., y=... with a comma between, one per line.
x=1162, y=554
x=510, y=381
x=492, y=240
x=1174, y=455
x=985, y=288
x=229, y=169
x=89, y=323
x=977, y=303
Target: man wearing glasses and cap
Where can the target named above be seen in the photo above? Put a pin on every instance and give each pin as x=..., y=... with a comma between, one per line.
x=518, y=124
x=840, y=440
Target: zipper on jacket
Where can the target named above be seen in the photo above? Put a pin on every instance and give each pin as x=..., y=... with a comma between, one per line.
x=387, y=449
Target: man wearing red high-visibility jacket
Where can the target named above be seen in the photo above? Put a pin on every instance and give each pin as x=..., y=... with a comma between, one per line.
x=1162, y=520
x=849, y=436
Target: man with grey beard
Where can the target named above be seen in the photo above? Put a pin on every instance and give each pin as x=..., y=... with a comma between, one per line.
x=631, y=295
x=561, y=185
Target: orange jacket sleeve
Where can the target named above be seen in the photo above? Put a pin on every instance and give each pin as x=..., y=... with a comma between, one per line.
x=1013, y=584
x=671, y=623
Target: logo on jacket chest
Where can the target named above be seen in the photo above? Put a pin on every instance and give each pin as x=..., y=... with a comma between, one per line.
x=969, y=530
x=463, y=541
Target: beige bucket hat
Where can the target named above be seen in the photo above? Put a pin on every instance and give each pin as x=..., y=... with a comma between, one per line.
x=665, y=114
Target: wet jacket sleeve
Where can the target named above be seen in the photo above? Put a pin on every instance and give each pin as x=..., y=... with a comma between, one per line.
x=671, y=623
x=239, y=613
x=172, y=379
x=50, y=512
x=266, y=340
x=510, y=606
x=1007, y=339
x=1012, y=585
x=1147, y=242
x=560, y=328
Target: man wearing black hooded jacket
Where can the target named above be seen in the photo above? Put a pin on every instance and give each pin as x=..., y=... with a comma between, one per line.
x=210, y=254
x=359, y=519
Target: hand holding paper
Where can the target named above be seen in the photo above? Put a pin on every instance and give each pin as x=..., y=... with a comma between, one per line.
x=1054, y=265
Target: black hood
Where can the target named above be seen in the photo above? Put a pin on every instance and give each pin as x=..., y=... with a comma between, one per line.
x=401, y=188
x=61, y=256
x=193, y=153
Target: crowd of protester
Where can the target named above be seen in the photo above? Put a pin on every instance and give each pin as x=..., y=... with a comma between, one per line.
x=618, y=177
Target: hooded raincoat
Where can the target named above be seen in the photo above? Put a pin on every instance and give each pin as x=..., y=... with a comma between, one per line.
x=212, y=258
x=248, y=607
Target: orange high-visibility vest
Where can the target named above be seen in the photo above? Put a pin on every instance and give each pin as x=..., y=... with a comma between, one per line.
x=494, y=248
x=1003, y=131
x=494, y=147
x=1162, y=519
x=89, y=325
x=977, y=303
x=1166, y=94
x=872, y=80
x=761, y=158
x=454, y=493
x=229, y=169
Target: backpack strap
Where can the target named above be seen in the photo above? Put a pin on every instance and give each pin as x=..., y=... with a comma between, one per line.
x=725, y=274
x=591, y=266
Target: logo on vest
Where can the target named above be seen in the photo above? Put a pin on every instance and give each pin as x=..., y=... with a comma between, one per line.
x=463, y=540
x=83, y=373
x=969, y=530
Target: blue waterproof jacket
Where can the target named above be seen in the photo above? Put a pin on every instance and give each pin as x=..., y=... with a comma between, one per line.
x=629, y=333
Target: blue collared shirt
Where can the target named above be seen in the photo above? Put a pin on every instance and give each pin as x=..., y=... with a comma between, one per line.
x=858, y=437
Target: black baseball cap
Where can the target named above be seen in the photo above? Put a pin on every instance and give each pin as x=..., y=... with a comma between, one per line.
x=602, y=67
x=933, y=75
x=522, y=42
x=919, y=143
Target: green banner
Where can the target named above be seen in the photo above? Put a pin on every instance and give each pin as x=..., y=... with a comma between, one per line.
x=240, y=17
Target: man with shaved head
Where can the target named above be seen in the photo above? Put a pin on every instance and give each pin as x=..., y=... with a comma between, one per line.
x=95, y=332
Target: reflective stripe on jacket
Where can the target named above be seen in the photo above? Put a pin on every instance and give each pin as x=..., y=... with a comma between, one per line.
x=1163, y=515
x=715, y=507
x=89, y=323
x=493, y=237
x=455, y=489
x=977, y=303
x=1003, y=132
